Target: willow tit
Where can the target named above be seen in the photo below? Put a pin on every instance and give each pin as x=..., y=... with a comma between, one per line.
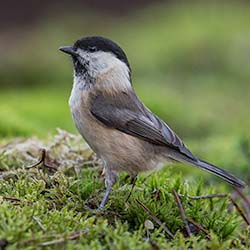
x=120, y=129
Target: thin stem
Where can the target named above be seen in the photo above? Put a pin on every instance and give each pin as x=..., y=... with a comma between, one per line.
x=153, y=217
x=240, y=211
x=183, y=215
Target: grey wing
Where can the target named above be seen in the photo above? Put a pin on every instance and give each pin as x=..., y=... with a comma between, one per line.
x=127, y=114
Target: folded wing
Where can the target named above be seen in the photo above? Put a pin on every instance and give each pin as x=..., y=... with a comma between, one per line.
x=127, y=114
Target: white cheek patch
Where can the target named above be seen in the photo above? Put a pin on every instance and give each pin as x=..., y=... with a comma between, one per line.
x=107, y=70
x=102, y=61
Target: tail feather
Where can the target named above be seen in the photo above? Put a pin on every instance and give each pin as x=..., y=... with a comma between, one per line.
x=219, y=172
x=210, y=168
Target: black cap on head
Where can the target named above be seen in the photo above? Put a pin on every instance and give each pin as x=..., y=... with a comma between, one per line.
x=97, y=43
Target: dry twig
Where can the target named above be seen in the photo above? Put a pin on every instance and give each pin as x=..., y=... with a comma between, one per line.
x=245, y=200
x=8, y=198
x=208, y=196
x=200, y=227
x=240, y=211
x=42, y=161
x=154, y=218
x=133, y=181
x=183, y=215
x=59, y=238
x=37, y=220
x=16, y=200
x=72, y=236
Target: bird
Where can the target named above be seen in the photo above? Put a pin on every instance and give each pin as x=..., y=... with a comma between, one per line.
x=111, y=118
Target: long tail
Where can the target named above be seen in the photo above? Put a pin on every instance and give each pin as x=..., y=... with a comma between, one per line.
x=214, y=170
x=221, y=173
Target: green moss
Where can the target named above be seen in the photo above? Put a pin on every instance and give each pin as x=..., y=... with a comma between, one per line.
x=39, y=206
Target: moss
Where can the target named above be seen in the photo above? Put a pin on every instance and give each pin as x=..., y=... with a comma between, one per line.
x=45, y=209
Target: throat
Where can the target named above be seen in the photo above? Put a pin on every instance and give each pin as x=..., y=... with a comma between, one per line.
x=83, y=82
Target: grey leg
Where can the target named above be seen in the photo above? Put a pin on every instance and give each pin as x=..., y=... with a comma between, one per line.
x=110, y=180
x=105, y=198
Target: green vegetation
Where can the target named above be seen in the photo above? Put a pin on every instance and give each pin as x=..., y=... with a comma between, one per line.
x=190, y=66
x=42, y=204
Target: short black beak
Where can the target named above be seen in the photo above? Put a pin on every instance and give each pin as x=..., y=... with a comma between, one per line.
x=68, y=50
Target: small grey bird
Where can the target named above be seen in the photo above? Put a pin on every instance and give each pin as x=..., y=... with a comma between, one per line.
x=120, y=129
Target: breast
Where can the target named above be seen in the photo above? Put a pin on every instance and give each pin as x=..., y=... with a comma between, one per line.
x=82, y=118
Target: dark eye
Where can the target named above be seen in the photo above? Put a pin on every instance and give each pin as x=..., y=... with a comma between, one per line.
x=92, y=48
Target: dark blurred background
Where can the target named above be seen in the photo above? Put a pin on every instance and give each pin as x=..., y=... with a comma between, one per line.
x=16, y=14
x=190, y=62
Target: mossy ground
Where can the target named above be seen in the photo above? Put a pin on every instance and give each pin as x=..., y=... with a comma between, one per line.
x=48, y=207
